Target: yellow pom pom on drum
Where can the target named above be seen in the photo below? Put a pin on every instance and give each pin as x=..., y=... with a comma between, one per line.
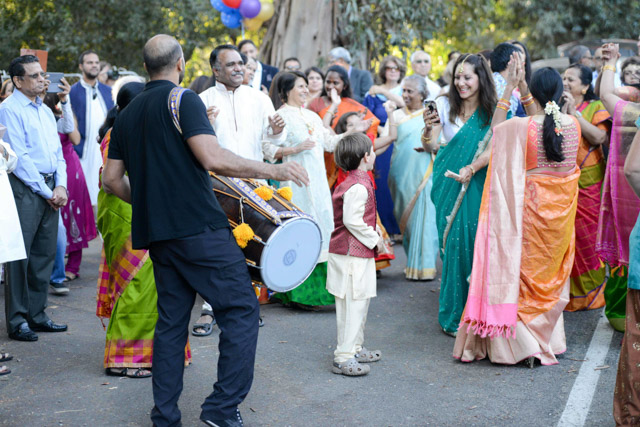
x=286, y=242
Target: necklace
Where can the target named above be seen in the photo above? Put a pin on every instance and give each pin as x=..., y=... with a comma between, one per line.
x=309, y=126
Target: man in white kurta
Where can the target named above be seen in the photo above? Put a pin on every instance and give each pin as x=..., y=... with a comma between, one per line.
x=243, y=118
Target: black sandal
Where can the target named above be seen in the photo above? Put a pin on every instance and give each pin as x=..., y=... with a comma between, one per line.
x=124, y=372
x=207, y=327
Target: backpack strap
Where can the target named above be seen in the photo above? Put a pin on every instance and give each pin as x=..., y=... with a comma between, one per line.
x=175, y=96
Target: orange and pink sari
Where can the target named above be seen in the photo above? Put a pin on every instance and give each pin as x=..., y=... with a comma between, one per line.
x=523, y=255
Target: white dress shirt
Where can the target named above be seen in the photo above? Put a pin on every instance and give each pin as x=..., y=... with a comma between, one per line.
x=242, y=126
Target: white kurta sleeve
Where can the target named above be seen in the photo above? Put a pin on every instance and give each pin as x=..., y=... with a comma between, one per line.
x=355, y=199
x=270, y=142
x=10, y=164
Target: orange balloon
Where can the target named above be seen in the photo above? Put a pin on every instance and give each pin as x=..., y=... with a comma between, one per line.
x=266, y=11
x=252, y=24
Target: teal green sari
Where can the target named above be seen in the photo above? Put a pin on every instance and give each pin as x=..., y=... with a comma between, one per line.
x=456, y=248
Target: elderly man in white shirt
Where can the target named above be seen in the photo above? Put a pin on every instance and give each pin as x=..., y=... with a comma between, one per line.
x=421, y=65
x=245, y=123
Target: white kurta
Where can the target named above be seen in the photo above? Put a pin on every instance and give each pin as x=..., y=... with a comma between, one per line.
x=11, y=242
x=348, y=273
x=314, y=199
x=91, y=159
x=242, y=126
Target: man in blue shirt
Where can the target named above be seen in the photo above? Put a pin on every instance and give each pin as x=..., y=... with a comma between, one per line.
x=39, y=187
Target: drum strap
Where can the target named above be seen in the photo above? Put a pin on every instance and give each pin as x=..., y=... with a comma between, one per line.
x=175, y=96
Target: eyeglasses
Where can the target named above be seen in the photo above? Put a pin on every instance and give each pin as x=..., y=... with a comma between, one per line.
x=36, y=75
x=421, y=61
x=391, y=68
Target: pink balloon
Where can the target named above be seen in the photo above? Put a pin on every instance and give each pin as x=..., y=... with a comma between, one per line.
x=250, y=8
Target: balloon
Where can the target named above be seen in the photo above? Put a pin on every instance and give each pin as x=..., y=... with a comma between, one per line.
x=253, y=24
x=220, y=7
x=233, y=4
x=266, y=11
x=231, y=20
x=250, y=8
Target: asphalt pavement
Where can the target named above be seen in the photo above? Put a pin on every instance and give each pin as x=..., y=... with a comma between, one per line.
x=60, y=380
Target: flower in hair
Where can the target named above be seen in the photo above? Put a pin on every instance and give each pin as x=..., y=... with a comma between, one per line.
x=553, y=110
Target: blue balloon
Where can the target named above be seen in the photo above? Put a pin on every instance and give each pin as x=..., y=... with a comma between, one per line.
x=220, y=6
x=232, y=19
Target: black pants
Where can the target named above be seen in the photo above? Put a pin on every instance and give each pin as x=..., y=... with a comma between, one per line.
x=212, y=265
x=28, y=279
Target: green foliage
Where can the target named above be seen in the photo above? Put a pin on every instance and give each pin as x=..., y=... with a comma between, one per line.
x=116, y=29
x=375, y=27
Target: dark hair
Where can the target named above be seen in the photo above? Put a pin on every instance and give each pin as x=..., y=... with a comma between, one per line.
x=16, y=68
x=486, y=53
x=527, y=59
x=351, y=150
x=486, y=87
x=5, y=88
x=546, y=86
x=125, y=95
x=287, y=82
x=501, y=55
x=383, y=68
x=315, y=70
x=201, y=83
x=293, y=58
x=586, y=77
x=632, y=60
x=51, y=101
x=344, y=76
x=341, y=126
x=243, y=42
x=274, y=90
x=159, y=58
x=213, y=58
x=453, y=52
x=85, y=53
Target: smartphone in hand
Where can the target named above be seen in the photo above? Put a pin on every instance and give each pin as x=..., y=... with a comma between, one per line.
x=55, y=79
x=432, y=107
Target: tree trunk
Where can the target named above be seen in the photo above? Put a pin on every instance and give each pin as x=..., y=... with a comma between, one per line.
x=300, y=28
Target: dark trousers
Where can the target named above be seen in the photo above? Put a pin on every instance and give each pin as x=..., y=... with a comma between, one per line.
x=212, y=265
x=28, y=279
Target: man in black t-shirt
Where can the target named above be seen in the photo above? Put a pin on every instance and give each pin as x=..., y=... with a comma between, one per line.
x=177, y=217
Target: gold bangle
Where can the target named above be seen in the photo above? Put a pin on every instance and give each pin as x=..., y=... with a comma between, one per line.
x=506, y=101
x=527, y=97
x=426, y=140
x=473, y=171
x=502, y=107
x=609, y=67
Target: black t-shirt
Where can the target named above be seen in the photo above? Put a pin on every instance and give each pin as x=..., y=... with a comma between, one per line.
x=171, y=193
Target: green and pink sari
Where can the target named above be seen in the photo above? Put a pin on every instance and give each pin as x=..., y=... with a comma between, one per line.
x=618, y=213
x=126, y=287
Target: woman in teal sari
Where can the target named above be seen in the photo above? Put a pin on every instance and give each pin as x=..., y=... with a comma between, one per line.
x=462, y=122
x=410, y=181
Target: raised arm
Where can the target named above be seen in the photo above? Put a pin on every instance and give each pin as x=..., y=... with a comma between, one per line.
x=610, y=56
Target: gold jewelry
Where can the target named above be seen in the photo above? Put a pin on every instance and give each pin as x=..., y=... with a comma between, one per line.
x=502, y=107
x=473, y=171
x=609, y=67
x=426, y=140
x=460, y=69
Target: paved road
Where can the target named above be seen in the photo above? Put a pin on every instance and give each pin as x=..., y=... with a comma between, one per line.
x=59, y=380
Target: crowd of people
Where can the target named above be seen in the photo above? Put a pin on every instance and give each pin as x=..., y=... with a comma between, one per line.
x=524, y=184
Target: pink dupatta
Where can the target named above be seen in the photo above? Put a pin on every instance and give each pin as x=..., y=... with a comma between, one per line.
x=620, y=205
x=492, y=304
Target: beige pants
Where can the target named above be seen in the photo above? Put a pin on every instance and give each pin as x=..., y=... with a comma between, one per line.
x=351, y=316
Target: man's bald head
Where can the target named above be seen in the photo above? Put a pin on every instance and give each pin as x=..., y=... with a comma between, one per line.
x=161, y=53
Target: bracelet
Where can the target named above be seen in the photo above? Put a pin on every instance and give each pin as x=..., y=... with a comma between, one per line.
x=528, y=103
x=426, y=140
x=609, y=67
x=473, y=171
x=506, y=101
x=502, y=107
x=526, y=98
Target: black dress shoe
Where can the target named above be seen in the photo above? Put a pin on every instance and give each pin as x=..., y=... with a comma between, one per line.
x=23, y=333
x=49, y=326
x=235, y=421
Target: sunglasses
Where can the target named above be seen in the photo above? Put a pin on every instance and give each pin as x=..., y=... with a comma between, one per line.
x=421, y=61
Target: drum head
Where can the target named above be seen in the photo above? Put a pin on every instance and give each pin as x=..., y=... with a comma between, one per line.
x=290, y=254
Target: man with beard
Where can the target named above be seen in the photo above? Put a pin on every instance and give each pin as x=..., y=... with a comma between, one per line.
x=245, y=123
x=175, y=215
x=90, y=101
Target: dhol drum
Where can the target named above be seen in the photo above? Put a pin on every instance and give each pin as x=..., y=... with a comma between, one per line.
x=287, y=242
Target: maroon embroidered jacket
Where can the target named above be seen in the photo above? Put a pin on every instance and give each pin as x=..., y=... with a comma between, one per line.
x=342, y=241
